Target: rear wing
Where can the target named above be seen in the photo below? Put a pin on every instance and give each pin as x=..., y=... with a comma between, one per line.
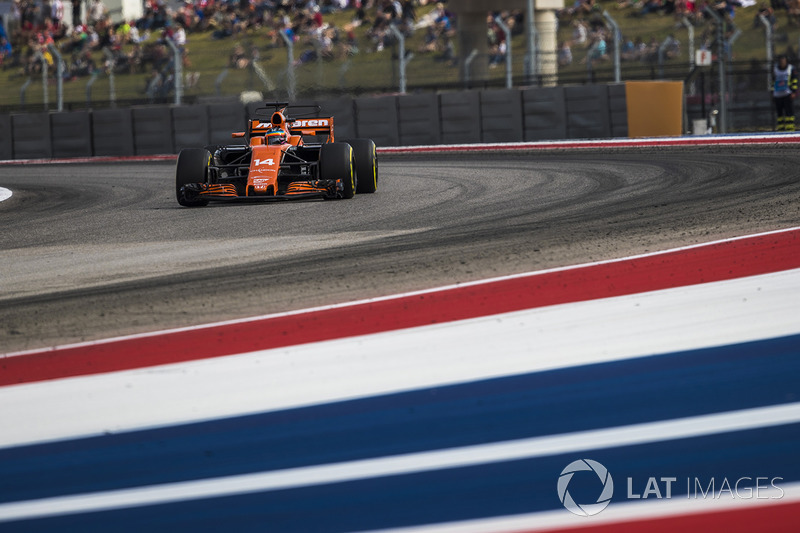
x=311, y=126
x=306, y=126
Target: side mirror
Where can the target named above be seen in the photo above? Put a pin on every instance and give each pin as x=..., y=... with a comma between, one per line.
x=237, y=134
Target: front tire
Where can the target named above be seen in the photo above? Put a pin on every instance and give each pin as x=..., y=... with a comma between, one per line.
x=336, y=162
x=366, y=165
x=192, y=167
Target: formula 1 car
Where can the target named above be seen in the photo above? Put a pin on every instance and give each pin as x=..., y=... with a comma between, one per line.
x=287, y=158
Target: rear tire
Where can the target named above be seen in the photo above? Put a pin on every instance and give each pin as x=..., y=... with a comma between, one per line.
x=336, y=162
x=192, y=167
x=366, y=165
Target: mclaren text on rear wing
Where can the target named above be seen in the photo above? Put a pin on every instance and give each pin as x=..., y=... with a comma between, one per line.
x=312, y=126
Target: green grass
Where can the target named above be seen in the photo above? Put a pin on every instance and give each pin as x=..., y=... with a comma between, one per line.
x=372, y=71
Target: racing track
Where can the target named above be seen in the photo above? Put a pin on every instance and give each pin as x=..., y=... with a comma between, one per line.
x=94, y=250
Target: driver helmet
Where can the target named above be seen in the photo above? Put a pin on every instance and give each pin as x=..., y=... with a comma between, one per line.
x=276, y=136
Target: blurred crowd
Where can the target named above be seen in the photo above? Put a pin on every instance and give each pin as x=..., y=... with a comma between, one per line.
x=79, y=29
x=592, y=35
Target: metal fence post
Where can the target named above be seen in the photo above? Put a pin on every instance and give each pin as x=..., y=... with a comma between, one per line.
x=467, y=64
x=218, y=82
x=690, y=30
x=723, y=91
x=112, y=62
x=290, y=64
x=401, y=42
x=661, y=50
x=262, y=75
x=507, y=31
x=22, y=92
x=531, y=70
x=177, y=61
x=617, y=42
x=45, y=94
x=768, y=37
x=59, y=74
x=89, y=89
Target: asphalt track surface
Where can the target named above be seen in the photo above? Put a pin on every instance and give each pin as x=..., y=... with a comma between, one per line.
x=90, y=251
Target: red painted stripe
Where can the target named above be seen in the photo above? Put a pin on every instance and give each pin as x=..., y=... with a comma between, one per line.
x=714, y=262
x=772, y=518
x=93, y=159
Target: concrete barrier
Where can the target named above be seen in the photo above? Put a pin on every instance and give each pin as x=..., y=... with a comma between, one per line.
x=501, y=116
x=461, y=117
x=112, y=132
x=376, y=119
x=71, y=134
x=152, y=131
x=587, y=112
x=418, y=119
x=6, y=138
x=189, y=126
x=544, y=114
x=31, y=133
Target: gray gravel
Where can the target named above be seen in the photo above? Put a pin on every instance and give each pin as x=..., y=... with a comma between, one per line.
x=95, y=250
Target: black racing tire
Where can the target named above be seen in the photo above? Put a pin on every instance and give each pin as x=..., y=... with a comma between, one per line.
x=192, y=167
x=366, y=165
x=337, y=162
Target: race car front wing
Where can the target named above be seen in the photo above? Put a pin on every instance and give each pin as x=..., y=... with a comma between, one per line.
x=297, y=190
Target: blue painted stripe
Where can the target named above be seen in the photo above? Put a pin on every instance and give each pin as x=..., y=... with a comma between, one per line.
x=483, y=491
x=545, y=403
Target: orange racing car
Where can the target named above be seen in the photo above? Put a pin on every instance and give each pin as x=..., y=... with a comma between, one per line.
x=288, y=157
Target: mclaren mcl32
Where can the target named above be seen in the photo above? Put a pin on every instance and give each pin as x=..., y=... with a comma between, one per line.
x=287, y=157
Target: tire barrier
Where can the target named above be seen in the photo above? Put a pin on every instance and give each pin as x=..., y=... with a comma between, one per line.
x=152, y=131
x=490, y=116
x=544, y=112
x=31, y=136
x=501, y=116
x=189, y=126
x=6, y=139
x=71, y=134
x=112, y=132
x=588, y=113
x=223, y=119
x=460, y=117
x=418, y=119
x=376, y=119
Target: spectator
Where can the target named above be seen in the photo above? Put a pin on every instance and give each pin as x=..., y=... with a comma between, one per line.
x=564, y=54
x=5, y=50
x=580, y=33
x=97, y=11
x=238, y=57
x=597, y=50
x=784, y=93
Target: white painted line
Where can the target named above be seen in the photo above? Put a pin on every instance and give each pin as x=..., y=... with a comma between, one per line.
x=406, y=464
x=534, y=340
x=398, y=296
x=5, y=194
x=617, y=512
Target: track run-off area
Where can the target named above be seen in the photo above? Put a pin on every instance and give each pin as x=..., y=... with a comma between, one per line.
x=591, y=335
